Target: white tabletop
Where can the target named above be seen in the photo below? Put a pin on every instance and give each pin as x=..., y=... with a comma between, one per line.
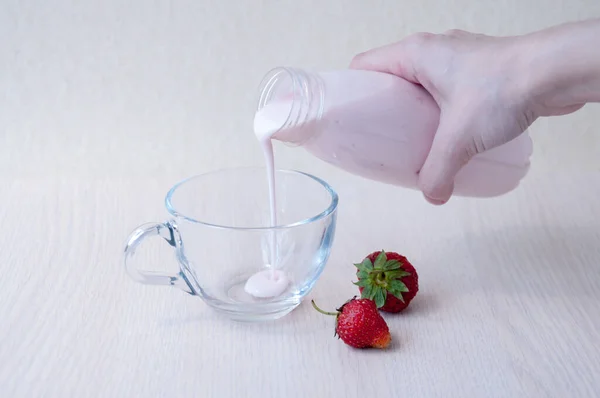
x=105, y=104
x=509, y=302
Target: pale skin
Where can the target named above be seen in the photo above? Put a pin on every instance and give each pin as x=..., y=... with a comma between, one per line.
x=491, y=89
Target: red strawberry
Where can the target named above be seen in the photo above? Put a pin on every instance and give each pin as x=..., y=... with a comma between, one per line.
x=389, y=279
x=359, y=324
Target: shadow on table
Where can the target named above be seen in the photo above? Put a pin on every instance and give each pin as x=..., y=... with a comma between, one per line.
x=300, y=322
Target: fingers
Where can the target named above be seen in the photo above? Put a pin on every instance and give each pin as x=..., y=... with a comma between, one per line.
x=448, y=154
x=398, y=58
x=564, y=111
x=457, y=33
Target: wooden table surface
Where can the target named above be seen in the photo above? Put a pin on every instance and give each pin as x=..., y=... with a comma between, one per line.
x=509, y=304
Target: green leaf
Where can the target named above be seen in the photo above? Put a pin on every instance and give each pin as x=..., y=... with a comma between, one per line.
x=380, y=298
x=380, y=260
x=397, y=286
x=362, y=274
x=362, y=282
x=367, y=291
x=398, y=295
x=374, y=292
x=391, y=265
x=397, y=273
x=359, y=266
x=366, y=265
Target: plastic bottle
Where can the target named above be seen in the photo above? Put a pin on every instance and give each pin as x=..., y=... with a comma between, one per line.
x=377, y=126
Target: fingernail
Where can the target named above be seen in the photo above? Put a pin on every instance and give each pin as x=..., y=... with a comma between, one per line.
x=433, y=201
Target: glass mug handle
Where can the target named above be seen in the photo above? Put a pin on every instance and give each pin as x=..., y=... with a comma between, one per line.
x=169, y=232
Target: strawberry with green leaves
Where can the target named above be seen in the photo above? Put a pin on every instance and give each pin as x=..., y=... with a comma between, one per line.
x=388, y=279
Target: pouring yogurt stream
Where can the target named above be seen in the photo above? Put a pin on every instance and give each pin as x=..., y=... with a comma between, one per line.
x=270, y=282
x=373, y=125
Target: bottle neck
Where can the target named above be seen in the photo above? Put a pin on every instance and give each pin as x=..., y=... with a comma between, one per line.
x=290, y=99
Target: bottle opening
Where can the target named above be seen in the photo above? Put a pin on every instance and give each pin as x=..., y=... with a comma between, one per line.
x=289, y=100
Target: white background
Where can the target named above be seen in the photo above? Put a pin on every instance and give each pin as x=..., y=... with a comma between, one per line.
x=105, y=104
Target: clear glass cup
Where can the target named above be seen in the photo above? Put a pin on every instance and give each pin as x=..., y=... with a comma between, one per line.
x=221, y=232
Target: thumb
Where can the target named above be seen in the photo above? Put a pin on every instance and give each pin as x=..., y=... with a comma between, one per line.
x=448, y=154
x=397, y=58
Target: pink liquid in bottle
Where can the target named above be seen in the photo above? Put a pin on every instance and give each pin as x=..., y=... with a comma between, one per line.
x=377, y=126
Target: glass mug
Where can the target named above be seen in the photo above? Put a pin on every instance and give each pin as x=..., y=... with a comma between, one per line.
x=221, y=233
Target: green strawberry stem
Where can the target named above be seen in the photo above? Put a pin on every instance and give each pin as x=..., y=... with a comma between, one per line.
x=321, y=311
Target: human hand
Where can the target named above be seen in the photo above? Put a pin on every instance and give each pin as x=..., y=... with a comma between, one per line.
x=482, y=86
